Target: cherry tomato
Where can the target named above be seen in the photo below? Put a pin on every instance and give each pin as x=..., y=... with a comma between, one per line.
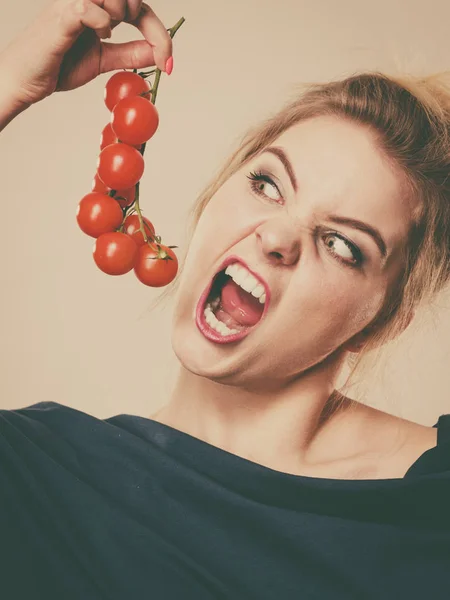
x=98, y=214
x=99, y=186
x=123, y=197
x=122, y=85
x=120, y=166
x=109, y=137
x=126, y=197
x=132, y=228
x=156, y=265
x=115, y=253
x=134, y=120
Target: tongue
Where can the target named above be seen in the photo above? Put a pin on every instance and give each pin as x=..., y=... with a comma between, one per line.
x=241, y=306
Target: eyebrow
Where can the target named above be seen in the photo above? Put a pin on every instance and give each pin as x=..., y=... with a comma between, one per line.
x=280, y=153
x=372, y=231
x=355, y=223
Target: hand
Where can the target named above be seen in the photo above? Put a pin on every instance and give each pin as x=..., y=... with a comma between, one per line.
x=62, y=48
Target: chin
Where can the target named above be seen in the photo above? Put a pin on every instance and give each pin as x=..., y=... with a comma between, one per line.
x=197, y=355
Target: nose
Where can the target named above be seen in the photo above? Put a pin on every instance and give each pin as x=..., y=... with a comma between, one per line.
x=278, y=240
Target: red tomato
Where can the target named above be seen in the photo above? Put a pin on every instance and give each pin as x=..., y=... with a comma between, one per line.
x=134, y=120
x=115, y=253
x=123, y=197
x=99, y=186
x=98, y=213
x=109, y=137
x=156, y=265
x=132, y=228
x=120, y=166
x=122, y=85
x=126, y=197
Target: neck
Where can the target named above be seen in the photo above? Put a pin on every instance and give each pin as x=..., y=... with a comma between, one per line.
x=288, y=430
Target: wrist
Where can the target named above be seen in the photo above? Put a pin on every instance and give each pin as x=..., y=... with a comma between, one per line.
x=10, y=103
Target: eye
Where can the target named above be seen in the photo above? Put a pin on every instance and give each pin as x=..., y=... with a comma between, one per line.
x=356, y=257
x=258, y=182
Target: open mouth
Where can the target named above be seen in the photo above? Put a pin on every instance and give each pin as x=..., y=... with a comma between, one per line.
x=233, y=305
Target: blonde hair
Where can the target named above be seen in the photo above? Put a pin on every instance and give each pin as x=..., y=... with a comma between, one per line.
x=410, y=117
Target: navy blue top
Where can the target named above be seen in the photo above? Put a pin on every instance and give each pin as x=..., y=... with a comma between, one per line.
x=129, y=508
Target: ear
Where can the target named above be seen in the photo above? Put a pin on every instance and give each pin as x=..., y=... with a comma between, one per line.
x=356, y=343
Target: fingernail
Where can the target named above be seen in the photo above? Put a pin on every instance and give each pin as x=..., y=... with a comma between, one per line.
x=169, y=65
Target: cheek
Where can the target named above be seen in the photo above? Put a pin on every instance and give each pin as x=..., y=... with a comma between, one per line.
x=232, y=211
x=347, y=312
x=331, y=310
x=226, y=220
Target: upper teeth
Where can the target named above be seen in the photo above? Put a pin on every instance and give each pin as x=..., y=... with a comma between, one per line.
x=246, y=281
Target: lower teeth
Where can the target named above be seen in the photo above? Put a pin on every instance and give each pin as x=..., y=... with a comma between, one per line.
x=214, y=322
x=214, y=304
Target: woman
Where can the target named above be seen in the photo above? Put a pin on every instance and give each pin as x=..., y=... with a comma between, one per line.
x=257, y=479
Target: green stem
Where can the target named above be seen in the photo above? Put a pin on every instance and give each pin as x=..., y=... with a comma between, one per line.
x=146, y=73
x=138, y=210
x=172, y=31
x=155, y=86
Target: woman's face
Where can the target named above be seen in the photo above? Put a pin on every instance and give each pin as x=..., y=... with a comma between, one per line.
x=327, y=280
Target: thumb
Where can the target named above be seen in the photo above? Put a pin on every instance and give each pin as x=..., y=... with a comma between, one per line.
x=128, y=55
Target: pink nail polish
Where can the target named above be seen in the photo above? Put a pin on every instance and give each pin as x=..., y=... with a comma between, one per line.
x=169, y=65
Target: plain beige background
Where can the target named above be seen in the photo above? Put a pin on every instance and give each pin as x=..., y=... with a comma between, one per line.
x=74, y=335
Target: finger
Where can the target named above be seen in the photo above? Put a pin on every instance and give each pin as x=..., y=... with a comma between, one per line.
x=116, y=8
x=129, y=55
x=133, y=9
x=156, y=35
x=90, y=15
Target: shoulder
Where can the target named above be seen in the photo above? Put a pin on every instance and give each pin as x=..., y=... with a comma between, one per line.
x=418, y=439
x=47, y=423
x=388, y=445
x=402, y=441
